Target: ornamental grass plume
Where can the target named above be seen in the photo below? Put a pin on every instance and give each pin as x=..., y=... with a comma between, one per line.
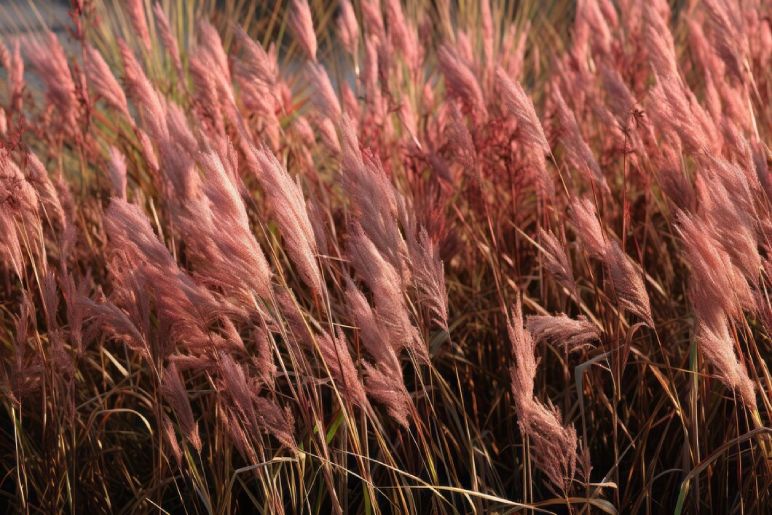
x=519, y=105
x=596, y=19
x=718, y=291
x=208, y=97
x=588, y=228
x=221, y=237
x=255, y=72
x=674, y=107
x=337, y=360
x=18, y=193
x=257, y=413
x=348, y=27
x=488, y=32
x=383, y=378
x=264, y=361
x=556, y=260
x=323, y=94
x=20, y=216
x=14, y=65
x=10, y=248
x=403, y=36
x=620, y=100
x=167, y=37
x=628, y=283
x=289, y=207
x=115, y=322
x=715, y=280
x=373, y=195
x=568, y=333
x=659, y=42
x=429, y=276
x=728, y=35
x=371, y=332
x=732, y=225
x=302, y=26
x=460, y=139
x=173, y=390
x=372, y=18
x=370, y=76
x=140, y=90
x=103, y=81
x=136, y=12
x=387, y=287
x=117, y=171
x=385, y=385
x=554, y=444
x=328, y=134
x=149, y=153
x=461, y=81
x=577, y=152
x=46, y=56
x=139, y=255
x=210, y=44
x=48, y=197
x=623, y=273
x=254, y=64
x=714, y=341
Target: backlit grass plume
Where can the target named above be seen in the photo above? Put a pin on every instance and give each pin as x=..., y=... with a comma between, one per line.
x=385, y=256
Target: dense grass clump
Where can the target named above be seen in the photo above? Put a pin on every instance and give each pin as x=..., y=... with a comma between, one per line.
x=384, y=256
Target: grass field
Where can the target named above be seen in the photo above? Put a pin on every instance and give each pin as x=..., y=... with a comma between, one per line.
x=386, y=256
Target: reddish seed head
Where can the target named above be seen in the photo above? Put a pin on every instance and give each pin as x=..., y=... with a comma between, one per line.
x=302, y=25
